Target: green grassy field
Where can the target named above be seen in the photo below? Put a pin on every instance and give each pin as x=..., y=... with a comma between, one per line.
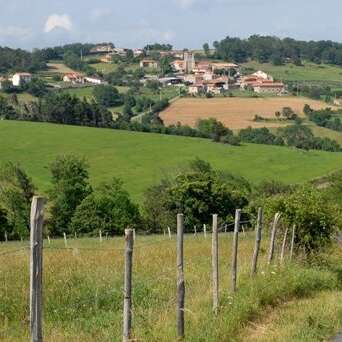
x=141, y=159
x=309, y=72
x=83, y=290
x=106, y=68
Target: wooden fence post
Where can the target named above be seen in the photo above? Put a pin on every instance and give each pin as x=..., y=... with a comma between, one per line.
x=215, y=265
x=36, y=268
x=48, y=238
x=6, y=238
x=100, y=236
x=273, y=237
x=65, y=240
x=180, y=277
x=283, y=246
x=235, y=248
x=205, y=231
x=127, y=312
x=169, y=231
x=195, y=230
x=257, y=242
x=292, y=241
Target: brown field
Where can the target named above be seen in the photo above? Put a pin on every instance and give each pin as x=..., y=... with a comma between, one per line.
x=59, y=68
x=235, y=113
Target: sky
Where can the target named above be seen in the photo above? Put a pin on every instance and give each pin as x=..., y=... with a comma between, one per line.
x=183, y=23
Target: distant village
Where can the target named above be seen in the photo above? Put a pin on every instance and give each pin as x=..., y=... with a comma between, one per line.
x=199, y=77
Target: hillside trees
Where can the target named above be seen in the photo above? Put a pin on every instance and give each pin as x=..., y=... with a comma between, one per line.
x=16, y=191
x=197, y=192
x=107, y=96
x=70, y=186
x=108, y=209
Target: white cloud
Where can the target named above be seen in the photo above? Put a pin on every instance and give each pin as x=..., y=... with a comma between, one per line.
x=54, y=21
x=184, y=4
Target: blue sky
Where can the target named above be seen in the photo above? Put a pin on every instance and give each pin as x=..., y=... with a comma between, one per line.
x=183, y=23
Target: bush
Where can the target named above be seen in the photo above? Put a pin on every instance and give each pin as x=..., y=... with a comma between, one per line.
x=108, y=209
x=307, y=209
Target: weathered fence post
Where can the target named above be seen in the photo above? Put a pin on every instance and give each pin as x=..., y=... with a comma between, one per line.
x=215, y=265
x=100, y=235
x=48, y=238
x=257, y=242
x=292, y=241
x=195, y=230
x=36, y=268
x=283, y=246
x=235, y=248
x=205, y=231
x=65, y=240
x=127, y=312
x=169, y=232
x=180, y=277
x=273, y=237
x=6, y=238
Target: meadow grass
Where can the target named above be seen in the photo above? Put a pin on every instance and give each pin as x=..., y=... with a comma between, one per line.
x=320, y=73
x=83, y=289
x=142, y=159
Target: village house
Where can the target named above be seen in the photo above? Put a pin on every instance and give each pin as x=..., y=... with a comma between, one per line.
x=94, y=80
x=20, y=78
x=105, y=48
x=262, y=75
x=107, y=58
x=226, y=66
x=178, y=65
x=269, y=87
x=217, y=86
x=138, y=52
x=73, y=77
x=149, y=63
x=195, y=89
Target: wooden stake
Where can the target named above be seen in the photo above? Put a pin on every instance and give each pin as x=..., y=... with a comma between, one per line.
x=283, y=247
x=235, y=248
x=6, y=238
x=48, y=237
x=215, y=265
x=36, y=268
x=180, y=277
x=169, y=231
x=292, y=241
x=273, y=237
x=75, y=235
x=127, y=311
x=257, y=242
x=195, y=230
x=100, y=235
x=65, y=241
x=205, y=231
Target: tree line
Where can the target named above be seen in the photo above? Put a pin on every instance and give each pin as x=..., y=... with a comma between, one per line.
x=197, y=190
x=276, y=50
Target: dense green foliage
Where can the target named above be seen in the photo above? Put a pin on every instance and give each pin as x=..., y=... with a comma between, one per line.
x=16, y=191
x=327, y=118
x=197, y=192
x=70, y=186
x=314, y=217
x=107, y=209
x=107, y=96
x=12, y=60
x=272, y=49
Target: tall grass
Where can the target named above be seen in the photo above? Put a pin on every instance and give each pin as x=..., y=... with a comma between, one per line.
x=83, y=289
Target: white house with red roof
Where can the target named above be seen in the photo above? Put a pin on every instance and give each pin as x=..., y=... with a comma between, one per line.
x=21, y=77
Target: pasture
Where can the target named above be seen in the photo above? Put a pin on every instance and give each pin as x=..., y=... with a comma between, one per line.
x=141, y=159
x=82, y=288
x=309, y=72
x=234, y=113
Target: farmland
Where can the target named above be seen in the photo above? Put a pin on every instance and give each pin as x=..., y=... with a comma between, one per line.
x=141, y=159
x=235, y=113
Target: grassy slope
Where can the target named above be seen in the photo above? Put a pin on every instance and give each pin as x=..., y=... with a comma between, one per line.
x=83, y=289
x=308, y=72
x=140, y=159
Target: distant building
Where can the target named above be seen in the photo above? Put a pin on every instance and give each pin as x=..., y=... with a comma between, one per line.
x=178, y=65
x=20, y=78
x=149, y=63
x=263, y=75
x=107, y=58
x=138, y=52
x=269, y=87
x=103, y=48
x=189, y=62
x=195, y=89
x=94, y=80
x=73, y=77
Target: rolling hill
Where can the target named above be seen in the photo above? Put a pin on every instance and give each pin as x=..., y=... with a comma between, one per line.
x=140, y=159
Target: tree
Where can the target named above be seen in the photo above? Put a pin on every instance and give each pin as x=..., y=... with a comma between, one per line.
x=197, y=192
x=206, y=49
x=108, y=209
x=16, y=192
x=165, y=65
x=70, y=185
x=107, y=96
x=37, y=87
